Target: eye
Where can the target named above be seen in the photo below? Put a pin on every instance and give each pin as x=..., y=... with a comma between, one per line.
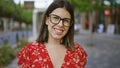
x=67, y=20
x=56, y=17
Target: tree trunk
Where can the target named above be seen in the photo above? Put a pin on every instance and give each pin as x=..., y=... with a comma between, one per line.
x=90, y=41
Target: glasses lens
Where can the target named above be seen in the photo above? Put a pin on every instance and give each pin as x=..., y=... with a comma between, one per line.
x=54, y=19
x=66, y=22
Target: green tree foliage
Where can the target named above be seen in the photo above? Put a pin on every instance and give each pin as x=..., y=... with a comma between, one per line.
x=87, y=5
x=7, y=54
x=6, y=8
x=9, y=9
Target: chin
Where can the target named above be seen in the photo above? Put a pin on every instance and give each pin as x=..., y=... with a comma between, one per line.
x=57, y=37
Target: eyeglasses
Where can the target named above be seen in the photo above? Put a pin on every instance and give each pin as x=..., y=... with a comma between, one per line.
x=55, y=19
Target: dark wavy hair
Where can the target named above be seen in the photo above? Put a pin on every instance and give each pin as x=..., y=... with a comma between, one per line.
x=68, y=39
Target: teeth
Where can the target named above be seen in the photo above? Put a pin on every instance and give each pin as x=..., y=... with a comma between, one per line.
x=58, y=30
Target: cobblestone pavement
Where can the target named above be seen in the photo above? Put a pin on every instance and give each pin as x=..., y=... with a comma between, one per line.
x=104, y=53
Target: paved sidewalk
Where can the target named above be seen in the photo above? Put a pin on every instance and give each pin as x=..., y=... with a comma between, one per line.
x=105, y=51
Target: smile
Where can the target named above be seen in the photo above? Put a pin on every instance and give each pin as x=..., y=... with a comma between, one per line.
x=58, y=31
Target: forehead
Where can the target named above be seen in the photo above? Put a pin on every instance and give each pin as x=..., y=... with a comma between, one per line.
x=62, y=12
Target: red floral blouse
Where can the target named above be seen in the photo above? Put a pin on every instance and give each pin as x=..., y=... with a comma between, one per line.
x=35, y=55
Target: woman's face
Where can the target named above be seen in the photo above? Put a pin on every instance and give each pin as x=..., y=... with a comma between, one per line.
x=58, y=23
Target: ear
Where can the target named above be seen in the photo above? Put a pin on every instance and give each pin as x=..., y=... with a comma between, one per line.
x=47, y=20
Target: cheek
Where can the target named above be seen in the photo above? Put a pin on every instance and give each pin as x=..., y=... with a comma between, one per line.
x=50, y=26
x=48, y=22
x=67, y=29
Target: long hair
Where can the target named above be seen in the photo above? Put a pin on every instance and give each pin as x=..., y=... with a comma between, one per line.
x=68, y=39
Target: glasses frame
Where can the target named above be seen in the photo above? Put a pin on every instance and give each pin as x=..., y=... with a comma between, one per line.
x=60, y=19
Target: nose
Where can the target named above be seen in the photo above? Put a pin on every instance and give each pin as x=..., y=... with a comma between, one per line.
x=60, y=23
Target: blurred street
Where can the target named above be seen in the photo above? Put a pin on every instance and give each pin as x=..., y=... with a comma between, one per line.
x=104, y=53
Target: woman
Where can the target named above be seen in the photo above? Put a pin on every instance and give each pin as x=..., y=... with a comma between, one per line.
x=55, y=47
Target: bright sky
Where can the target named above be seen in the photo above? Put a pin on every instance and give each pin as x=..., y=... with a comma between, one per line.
x=38, y=3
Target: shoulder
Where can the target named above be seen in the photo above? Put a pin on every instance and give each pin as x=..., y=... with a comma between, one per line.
x=77, y=46
x=29, y=48
x=33, y=45
x=79, y=54
x=80, y=50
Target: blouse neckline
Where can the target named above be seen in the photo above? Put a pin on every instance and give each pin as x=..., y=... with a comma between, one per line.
x=50, y=58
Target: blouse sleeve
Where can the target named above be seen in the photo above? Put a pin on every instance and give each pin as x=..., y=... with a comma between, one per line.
x=82, y=55
x=24, y=57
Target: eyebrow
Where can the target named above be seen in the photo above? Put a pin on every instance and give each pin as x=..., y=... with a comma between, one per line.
x=60, y=17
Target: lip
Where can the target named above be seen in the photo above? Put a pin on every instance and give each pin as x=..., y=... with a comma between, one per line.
x=58, y=31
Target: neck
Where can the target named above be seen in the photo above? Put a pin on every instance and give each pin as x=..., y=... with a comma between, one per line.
x=54, y=44
x=54, y=41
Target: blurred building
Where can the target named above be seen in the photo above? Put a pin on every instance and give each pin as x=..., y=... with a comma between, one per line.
x=106, y=21
x=29, y=5
x=111, y=15
x=38, y=11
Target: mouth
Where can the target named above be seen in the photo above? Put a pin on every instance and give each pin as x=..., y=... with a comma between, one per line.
x=59, y=31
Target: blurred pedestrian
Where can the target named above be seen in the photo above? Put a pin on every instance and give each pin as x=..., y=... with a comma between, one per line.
x=55, y=47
